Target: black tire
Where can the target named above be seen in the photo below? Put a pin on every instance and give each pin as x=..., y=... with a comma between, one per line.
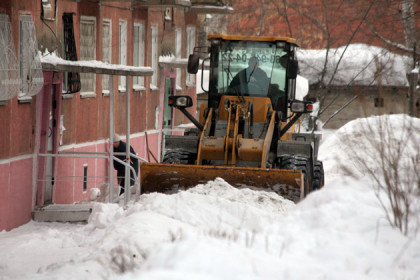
x=179, y=156
x=293, y=162
x=318, y=181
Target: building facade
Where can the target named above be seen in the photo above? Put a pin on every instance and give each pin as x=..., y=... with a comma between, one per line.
x=49, y=112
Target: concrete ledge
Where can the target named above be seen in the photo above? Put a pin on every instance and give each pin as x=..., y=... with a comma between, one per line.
x=65, y=213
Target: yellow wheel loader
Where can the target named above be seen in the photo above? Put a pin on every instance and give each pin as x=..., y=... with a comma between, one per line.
x=249, y=132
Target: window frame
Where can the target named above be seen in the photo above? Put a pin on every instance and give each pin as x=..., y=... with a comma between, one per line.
x=154, y=46
x=122, y=52
x=105, y=78
x=178, y=55
x=191, y=34
x=138, y=82
x=87, y=20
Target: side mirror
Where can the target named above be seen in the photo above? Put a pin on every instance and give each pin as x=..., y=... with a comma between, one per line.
x=292, y=69
x=193, y=63
x=304, y=107
x=182, y=101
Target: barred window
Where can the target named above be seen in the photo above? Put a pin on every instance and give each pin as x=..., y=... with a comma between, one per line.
x=9, y=68
x=87, y=51
x=29, y=60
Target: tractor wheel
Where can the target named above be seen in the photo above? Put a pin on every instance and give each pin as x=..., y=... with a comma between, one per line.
x=292, y=162
x=179, y=156
x=318, y=181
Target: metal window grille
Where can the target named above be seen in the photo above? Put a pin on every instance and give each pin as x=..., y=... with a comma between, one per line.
x=31, y=75
x=106, y=50
x=9, y=68
x=87, y=51
x=71, y=83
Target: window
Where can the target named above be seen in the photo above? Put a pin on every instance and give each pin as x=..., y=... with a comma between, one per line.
x=178, y=47
x=71, y=80
x=157, y=123
x=30, y=72
x=87, y=52
x=190, y=50
x=138, y=53
x=9, y=69
x=106, y=52
x=154, y=59
x=123, y=53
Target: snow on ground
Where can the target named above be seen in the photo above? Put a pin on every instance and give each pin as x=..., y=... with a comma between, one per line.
x=215, y=231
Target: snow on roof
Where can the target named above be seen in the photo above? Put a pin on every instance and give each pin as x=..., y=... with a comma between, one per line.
x=173, y=62
x=359, y=64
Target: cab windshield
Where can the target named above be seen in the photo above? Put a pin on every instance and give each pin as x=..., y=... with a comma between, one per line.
x=252, y=69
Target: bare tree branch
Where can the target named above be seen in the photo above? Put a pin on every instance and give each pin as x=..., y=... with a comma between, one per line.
x=350, y=40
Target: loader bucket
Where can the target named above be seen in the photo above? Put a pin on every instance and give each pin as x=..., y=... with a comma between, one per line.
x=169, y=178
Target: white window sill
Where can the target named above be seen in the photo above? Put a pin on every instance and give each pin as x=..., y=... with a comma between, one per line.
x=87, y=95
x=67, y=96
x=190, y=86
x=178, y=88
x=153, y=87
x=105, y=93
x=122, y=89
x=138, y=88
x=24, y=99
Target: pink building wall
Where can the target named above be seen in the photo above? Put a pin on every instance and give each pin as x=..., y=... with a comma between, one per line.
x=16, y=192
x=68, y=188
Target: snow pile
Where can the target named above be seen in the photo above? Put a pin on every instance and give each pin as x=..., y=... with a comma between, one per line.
x=370, y=139
x=359, y=65
x=215, y=231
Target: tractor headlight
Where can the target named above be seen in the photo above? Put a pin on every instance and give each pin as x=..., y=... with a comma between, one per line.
x=180, y=101
x=301, y=106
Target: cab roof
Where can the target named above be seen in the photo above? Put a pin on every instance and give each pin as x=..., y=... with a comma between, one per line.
x=252, y=38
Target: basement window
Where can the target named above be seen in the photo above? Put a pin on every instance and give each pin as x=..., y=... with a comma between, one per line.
x=85, y=172
x=379, y=102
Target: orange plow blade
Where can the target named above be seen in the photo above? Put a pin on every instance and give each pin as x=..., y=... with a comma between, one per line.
x=169, y=178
